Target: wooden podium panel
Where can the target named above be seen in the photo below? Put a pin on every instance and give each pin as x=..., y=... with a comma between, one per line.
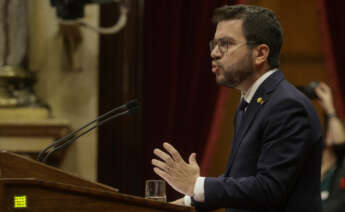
x=17, y=166
x=26, y=185
x=48, y=196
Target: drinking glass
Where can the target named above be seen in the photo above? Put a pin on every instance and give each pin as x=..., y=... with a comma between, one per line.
x=155, y=190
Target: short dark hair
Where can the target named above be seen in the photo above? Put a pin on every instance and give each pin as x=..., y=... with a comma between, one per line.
x=260, y=26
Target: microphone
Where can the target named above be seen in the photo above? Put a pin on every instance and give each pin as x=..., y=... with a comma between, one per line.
x=130, y=107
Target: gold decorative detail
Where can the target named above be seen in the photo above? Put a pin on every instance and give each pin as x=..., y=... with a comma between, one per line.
x=260, y=100
x=15, y=87
x=14, y=73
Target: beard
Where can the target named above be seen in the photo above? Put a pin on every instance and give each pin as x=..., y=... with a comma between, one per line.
x=235, y=74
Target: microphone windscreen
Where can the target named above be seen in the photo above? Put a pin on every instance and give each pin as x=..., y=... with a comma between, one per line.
x=132, y=105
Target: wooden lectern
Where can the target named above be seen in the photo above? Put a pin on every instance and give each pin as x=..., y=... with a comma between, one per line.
x=27, y=185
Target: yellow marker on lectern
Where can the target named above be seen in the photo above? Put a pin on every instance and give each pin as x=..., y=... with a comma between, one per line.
x=20, y=201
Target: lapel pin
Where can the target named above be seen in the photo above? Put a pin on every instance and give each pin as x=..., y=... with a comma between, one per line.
x=260, y=100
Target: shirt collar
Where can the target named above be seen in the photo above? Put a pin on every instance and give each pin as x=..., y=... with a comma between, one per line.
x=248, y=96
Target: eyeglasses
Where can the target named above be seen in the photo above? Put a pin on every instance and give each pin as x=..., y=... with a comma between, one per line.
x=224, y=44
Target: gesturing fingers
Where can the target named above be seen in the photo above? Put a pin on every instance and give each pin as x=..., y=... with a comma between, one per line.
x=173, y=152
x=174, y=170
x=161, y=173
x=163, y=166
x=164, y=156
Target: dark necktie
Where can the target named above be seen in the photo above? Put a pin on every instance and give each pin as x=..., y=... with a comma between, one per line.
x=243, y=105
x=241, y=110
x=240, y=114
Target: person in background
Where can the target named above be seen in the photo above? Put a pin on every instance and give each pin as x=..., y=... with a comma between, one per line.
x=333, y=167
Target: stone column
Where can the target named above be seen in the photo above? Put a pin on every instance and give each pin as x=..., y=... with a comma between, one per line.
x=15, y=81
x=13, y=31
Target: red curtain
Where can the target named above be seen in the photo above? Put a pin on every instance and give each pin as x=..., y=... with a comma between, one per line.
x=217, y=121
x=332, y=24
x=180, y=92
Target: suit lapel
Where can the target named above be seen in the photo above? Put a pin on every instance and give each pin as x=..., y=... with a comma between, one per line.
x=252, y=110
x=263, y=92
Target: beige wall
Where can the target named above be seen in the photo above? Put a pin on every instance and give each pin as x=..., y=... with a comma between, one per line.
x=73, y=95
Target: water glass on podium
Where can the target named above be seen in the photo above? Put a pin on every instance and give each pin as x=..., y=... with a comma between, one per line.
x=155, y=190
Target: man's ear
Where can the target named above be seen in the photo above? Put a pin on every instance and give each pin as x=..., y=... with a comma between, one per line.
x=261, y=53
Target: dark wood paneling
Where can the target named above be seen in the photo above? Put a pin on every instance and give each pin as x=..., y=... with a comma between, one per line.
x=120, y=77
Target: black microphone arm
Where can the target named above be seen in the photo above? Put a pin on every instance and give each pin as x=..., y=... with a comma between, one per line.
x=130, y=107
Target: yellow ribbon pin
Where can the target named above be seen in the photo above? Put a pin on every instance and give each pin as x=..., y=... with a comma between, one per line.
x=260, y=100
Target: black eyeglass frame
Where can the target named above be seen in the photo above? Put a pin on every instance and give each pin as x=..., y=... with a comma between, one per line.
x=224, y=47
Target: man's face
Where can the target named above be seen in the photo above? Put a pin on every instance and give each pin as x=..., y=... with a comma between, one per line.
x=232, y=60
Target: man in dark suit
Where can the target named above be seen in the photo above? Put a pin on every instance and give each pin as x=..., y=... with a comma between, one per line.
x=274, y=164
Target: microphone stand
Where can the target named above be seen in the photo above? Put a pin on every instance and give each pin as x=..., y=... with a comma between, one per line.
x=130, y=107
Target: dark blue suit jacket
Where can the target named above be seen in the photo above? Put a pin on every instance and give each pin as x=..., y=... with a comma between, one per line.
x=274, y=164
